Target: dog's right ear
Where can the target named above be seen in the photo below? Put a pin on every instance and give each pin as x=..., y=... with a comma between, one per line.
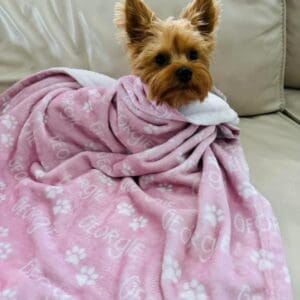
x=135, y=19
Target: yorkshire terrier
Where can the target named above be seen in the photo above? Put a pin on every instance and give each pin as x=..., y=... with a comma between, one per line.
x=172, y=57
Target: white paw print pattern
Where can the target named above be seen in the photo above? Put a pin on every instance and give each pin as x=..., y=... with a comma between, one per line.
x=263, y=259
x=287, y=277
x=5, y=250
x=7, y=140
x=2, y=185
x=75, y=255
x=193, y=291
x=213, y=215
x=247, y=190
x=88, y=107
x=53, y=191
x=8, y=294
x=225, y=244
x=180, y=157
x=62, y=207
x=39, y=174
x=138, y=223
x=171, y=270
x=106, y=180
x=212, y=161
x=125, y=209
x=2, y=198
x=93, y=93
x=164, y=187
x=151, y=129
x=148, y=179
x=127, y=170
x=9, y=122
x=42, y=118
x=4, y=231
x=87, y=276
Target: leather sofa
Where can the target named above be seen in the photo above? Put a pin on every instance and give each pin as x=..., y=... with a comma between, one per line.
x=256, y=65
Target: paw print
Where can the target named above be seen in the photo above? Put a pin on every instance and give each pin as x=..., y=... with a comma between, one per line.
x=93, y=93
x=193, y=291
x=2, y=185
x=148, y=179
x=3, y=232
x=127, y=170
x=7, y=140
x=53, y=191
x=212, y=161
x=62, y=207
x=39, y=174
x=106, y=180
x=75, y=255
x=87, y=107
x=5, y=250
x=263, y=259
x=9, y=122
x=246, y=190
x=8, y=294
x=286, y=273
x=181, y=157
x=151, y=129
x=163, y=187
x=90, y=147
x=125, y=209
x=213, y=215
x=6, y=107
x=2, y=198
x=171, y=270
x=87, y=276
x=138, y=223
x=42, y=118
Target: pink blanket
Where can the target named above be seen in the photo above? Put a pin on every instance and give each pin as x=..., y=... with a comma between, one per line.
x=104, y=195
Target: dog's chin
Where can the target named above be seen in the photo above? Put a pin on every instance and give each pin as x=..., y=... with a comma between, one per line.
x=178, y=97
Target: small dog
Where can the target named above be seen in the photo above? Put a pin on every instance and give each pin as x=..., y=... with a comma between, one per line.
x=172, y=56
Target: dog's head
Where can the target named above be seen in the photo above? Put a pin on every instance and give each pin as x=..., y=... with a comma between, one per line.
x=172, y=56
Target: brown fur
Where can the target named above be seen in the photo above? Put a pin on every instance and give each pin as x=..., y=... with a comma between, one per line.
x=147, y=36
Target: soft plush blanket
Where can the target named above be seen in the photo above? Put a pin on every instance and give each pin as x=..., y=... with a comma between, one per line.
x=104, y=195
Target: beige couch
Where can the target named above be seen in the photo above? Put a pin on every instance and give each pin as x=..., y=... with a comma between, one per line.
x=257, y=65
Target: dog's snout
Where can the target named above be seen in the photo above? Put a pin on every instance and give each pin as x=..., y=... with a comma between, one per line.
x=184, y=74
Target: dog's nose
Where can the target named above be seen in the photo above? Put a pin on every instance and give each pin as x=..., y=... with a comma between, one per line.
x=184, y=74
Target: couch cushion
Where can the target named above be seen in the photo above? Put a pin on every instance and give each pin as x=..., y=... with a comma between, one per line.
x=250, y=58
x=272, y=148
x=39, y=34
x=293, y=44
x=292, y=98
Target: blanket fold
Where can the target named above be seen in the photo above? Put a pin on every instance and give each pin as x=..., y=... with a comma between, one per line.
x=104, y=195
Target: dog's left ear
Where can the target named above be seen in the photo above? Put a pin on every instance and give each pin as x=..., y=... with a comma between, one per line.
x=203, y=14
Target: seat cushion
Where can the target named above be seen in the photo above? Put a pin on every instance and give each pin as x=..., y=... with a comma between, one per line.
x=272, y=148
x=248, y=64
x=292, y=78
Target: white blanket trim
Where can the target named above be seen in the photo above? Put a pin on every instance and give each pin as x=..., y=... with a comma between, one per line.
x=213, y=111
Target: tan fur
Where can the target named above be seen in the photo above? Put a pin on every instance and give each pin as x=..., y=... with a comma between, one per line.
x=147, y=36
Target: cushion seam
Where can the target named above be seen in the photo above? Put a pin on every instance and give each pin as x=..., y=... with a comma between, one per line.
x=283, y=56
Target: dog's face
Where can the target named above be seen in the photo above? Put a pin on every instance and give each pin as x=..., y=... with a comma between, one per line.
x=172, y=56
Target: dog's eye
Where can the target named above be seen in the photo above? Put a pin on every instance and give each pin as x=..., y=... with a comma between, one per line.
x=193, y=55
x=162, y=59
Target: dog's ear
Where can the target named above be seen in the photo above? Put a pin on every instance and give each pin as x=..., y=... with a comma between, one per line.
x=135, y=18
x=203, y=14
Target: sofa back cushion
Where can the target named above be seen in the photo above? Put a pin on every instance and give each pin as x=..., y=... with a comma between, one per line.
x=248, y=63
x=293, y=44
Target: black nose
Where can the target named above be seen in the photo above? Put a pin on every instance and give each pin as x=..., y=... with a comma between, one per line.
x=184, y=75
